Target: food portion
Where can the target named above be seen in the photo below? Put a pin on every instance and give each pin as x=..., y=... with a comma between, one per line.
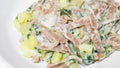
x=69, y=33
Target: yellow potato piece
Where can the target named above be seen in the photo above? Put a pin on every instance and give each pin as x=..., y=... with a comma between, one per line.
x=24, y=17
x=31, y=42
x=75, y=65
x=67, y=4
x=26, y=51
x=28, y=46
x=57, y=57
x=87, y=48
x=104, y=0
x=77, y=3
x=22, y=22
x=64, y=3
x=81, y=32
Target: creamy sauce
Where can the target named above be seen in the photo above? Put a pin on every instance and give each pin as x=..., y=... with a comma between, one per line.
x=49, y=20
x=119, y=31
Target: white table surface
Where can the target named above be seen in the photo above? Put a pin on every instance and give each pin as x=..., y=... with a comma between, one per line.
x=4, y=64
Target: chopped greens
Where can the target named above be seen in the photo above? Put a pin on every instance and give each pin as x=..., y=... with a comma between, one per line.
x=16, y=17
x=65, y=55
x=48, y=57
x=28, y=35
x=65, y=12
x=30, y=8
x=74, y=49
x=43, y=1
x=36, y=29
x=82, y=14
x=108, y=50
x=38, y=50
x=88, y=59
x=91, y=42
x=69, y=0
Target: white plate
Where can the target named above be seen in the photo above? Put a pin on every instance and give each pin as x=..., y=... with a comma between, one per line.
x=9, y=38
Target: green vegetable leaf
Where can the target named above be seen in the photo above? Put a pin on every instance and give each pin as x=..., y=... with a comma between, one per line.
x=28, y=35
x=74, y=49
x=30, y=8
x=36, y=29
x=88, y=59
x=91, y=42
x=38, y=50
x=47, y=57
x=65, y=12
x=69, y=0
x=65, y=55
x=16, y=17
x=108, y=50
x=43, y=1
